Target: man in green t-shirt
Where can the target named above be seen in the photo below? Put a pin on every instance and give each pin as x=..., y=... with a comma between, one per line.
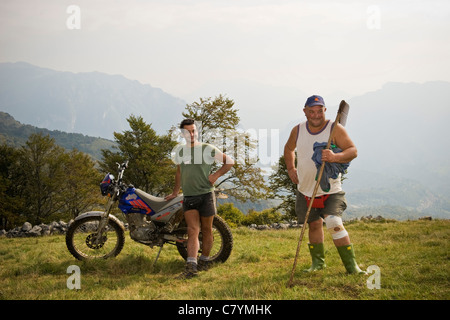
x=194, y=161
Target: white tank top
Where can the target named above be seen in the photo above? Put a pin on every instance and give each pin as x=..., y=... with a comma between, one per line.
x=306, y=168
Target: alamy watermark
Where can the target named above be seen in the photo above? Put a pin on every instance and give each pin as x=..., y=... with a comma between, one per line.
x=248, y=147
x=74, y=281
x=374, y=281
x=373, y=21
x=73, y=22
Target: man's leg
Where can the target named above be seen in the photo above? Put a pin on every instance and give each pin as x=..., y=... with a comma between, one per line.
x=336, y=228
x=207, y=235
x=208, y=210
x=315, y=246
x=342, y=242
x=192, y=218
x=316, y=231
x=334, y=208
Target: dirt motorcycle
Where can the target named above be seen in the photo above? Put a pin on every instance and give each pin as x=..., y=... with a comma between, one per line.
x=152, y=221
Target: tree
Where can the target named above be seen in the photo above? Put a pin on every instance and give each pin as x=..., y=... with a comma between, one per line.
x=42, y=162
x=80, y=183
x=42, y=182
x=11, y=204
x=283, y=188
x=150, y=165
x=213, y=114
x=218, y=124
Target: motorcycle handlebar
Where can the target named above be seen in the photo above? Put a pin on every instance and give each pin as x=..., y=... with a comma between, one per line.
x=123, y=165
x=122, y=168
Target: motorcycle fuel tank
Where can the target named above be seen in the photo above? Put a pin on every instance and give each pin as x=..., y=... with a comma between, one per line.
x=130, y=202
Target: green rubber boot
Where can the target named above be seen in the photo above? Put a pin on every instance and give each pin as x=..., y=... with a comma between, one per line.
x=318, y=257
x=348, y=258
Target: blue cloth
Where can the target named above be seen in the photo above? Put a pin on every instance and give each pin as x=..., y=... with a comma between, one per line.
x=331, y=169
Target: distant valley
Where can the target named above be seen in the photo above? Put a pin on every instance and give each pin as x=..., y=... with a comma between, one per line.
x=14, y=133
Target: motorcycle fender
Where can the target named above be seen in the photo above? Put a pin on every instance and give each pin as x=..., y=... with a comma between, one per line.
x=99, y=214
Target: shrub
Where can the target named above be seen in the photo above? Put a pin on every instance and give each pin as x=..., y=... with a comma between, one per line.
x=232, y=215
x=267, y=216
x=235, y=218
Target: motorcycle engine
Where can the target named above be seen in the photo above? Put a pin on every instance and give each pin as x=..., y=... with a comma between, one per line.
x=141, y=229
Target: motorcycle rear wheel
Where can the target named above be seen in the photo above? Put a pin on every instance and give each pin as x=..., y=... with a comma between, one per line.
x=223, y=241
x=81, y=239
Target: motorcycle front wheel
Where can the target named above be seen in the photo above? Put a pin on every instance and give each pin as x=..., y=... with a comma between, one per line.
x=222, y=245
x=84, y=244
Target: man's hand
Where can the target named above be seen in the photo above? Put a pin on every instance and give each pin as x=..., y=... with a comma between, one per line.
x=328, y=156
x=213, y=178
x=227, y=164
x=170, y=197
x=293, y=175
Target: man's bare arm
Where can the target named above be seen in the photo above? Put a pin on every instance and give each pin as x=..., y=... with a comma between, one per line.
x=228, y=163
x=289, y=155
x=343, y=141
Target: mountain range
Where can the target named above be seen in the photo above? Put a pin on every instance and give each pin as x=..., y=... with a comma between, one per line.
x=401, y=131
x=93, y=103
x=402, y=168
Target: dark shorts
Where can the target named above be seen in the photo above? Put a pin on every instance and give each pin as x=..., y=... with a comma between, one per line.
x=205, y=204
x=334, y=205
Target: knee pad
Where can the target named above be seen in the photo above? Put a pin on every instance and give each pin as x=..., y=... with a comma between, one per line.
x=335, y=227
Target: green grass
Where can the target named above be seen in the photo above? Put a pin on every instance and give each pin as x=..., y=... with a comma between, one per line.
x=413, y=257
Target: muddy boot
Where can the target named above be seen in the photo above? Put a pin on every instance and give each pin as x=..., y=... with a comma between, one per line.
x=318, y=257
x=348, y=258
x=189, y=272
x=203, y=264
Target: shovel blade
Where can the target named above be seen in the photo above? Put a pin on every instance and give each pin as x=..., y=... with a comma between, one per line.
x=344, y=108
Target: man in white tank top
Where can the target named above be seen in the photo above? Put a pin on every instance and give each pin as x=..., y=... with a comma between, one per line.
x=330, y=204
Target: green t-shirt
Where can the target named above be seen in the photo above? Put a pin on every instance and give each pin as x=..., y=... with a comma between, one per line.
x=195, y=164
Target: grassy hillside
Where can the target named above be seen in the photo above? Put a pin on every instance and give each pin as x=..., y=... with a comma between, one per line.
x=15, y=134
x=413, y=257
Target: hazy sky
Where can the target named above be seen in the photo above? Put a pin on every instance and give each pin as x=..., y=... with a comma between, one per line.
x=192, y=48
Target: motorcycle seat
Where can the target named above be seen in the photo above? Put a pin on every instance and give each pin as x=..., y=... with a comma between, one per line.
x=156, y=203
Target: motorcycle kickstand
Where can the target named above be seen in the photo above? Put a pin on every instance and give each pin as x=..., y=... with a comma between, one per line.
x=157, y=256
